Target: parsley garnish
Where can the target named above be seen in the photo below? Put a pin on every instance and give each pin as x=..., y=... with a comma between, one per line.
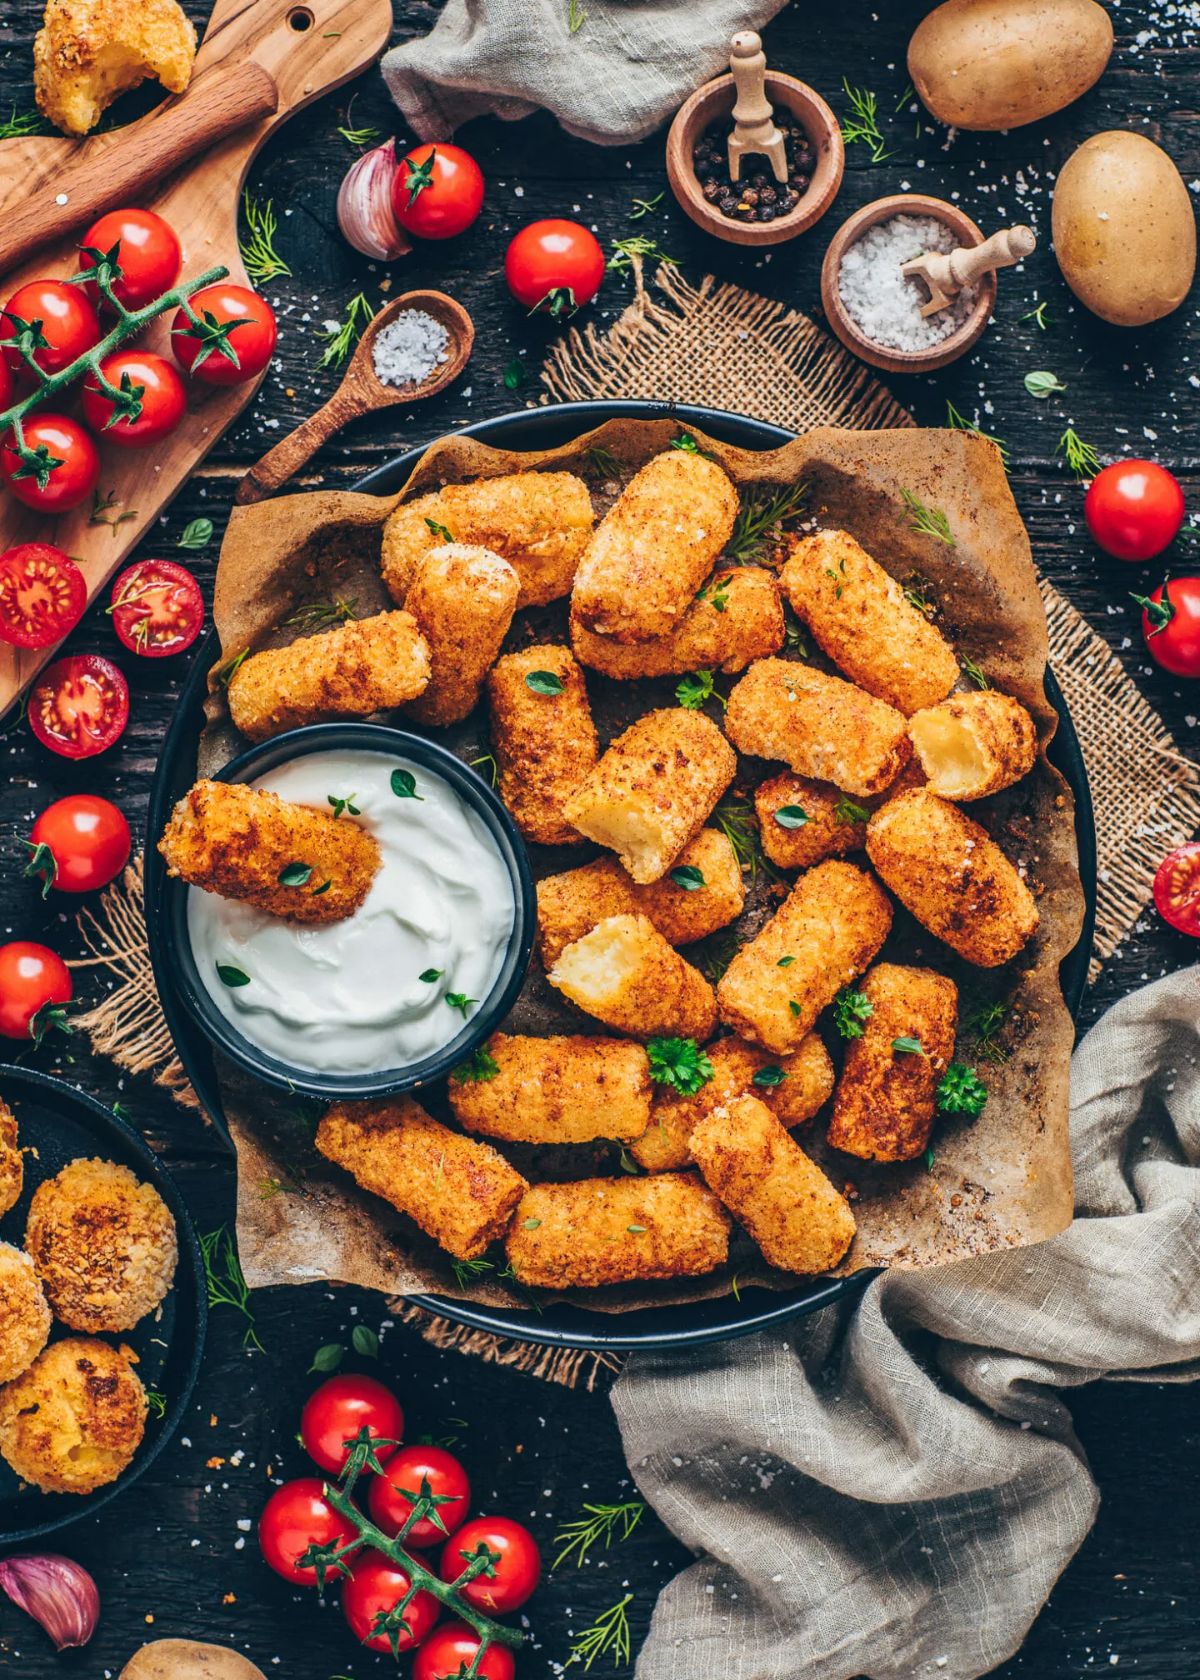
x=850, y=1010
x=679, y=1063
x=961, y=1091
x=694, y=689
x=479, y=1066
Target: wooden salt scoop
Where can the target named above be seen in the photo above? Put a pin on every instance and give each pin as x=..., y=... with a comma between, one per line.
x=754, y=128
x=362, y=391
x=947, y=274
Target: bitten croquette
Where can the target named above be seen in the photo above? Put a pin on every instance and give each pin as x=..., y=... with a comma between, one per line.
x=559, y=1089
x=73, y=1421
x=625, y=974
x=972, y=745
x=737, y=616
x=12, y=1162
x=463, y=600
x=24, y=1315
x=543, y=737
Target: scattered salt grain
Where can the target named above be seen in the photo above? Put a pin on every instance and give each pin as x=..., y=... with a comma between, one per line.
x=409, y=348
x=884, y=305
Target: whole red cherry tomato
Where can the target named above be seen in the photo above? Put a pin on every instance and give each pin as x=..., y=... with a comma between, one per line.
x=79, y=706
x=376, y=1586
x=298, y=1516
x=335, y=1413
x=410, y=1471
x=233, y=340
x=554, y=266
x=1171, y=625
x=1177, y=888
x=65, y=468
x=1134, y=509
x=437, y=191
x=34, y=982
x=514, y=1566
x=157, y=399
x=157, y=608
x=78, y=844
x=42, y=595
x=62, y=322
x=450, y=1650
x=6, y=384
x=147, y=253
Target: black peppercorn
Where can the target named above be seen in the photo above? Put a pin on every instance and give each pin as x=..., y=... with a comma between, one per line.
x=756, y=196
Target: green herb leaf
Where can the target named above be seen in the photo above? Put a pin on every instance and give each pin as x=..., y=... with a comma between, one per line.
x=930, y=522
x=688, y=877
x=1081, y=458
x=1042, y=385
x=544, y=682
x=224, y=1281
x=530, y=1224
x=327, y=1358
x=930, y=1159
x=761, y=518
x=231, y=976
x=793, y=1006
x=785, y=962
x=429, y=975
x=340, y=805
x=637, y=245
x=1037, y=315
x=461, y=1002
x=680, y=1064
x=599, y=1525
x=863, y=122
x=961, y=1091
x=479, y=1066
x=197, y=533
x=404, y=785
x=791, y=816
x=341, y=339
x=636, y=1230
x=514, y=374
x=694, y=689
x=959, y=423
x=850, y=1010
x=365, y=1342
x=768, y=1077
x=295, y=875
x=438, y=531
x=848, y=812
x=972, y=672
x=323, y=888
x=908, y=1046
x=259, y=256
x=51, y=1017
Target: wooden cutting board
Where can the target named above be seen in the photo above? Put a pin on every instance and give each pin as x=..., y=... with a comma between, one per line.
x=260, y=61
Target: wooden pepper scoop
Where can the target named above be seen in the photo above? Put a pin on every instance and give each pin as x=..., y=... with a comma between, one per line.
x=948, y=274
x=754, y=129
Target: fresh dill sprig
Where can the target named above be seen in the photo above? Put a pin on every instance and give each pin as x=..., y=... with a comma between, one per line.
x=156, y=1403
x=607, y=1636
x=984, y=1027
x=694, y=689
x=638, y=245
x=576, y=17
x=487, y=767
x=713, y=962
x=643, y=206
x=862, y=125
x=761, y=513
x=342, y=339
x=598, y=1525
x=226, y=1285
x=931, y=522
x=914, y=594
x=959, y=423
x=1038, y=315
x=604, y=462
x=972, y=672
x=262, y=261
x=466, y=1271
x=734, y=818
x=21, y=123
x=1082, y=459
x=360, y=137
x=318, y=613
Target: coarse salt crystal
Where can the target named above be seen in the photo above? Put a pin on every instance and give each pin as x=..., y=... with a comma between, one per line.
x=884, y=304
x=409, y=348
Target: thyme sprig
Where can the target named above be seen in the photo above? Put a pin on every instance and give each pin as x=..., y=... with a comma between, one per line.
x=261, y=260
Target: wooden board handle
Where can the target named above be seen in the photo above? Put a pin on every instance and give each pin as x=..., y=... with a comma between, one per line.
x=291, y=453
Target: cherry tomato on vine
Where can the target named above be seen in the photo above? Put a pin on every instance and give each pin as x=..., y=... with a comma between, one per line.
x=450, y=1650
x=42, y=595
x=63, y=325
x=408, y=1470
x=155, y=403
x=157, y=608
x=334, y=1413
x=1177, y=888
x=78, y=844
x=554, y=266
x=298, y=1516
x=376, y=1587
x=235, y=338
x=1134, y=509
x=1171, y=625
x=64, y=468
x=149, y=256
x=514, y=1568
x=34, y=981
x=79, y=706
x=6, y=383
x=437, y=191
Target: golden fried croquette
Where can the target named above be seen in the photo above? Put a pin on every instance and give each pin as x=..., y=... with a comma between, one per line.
x=824, y=934
x=24, y=1315
x=73, y=1421
x=653, y=789
x=860, y=619
x=461, y=1193
x=463, y=600
x=974, y=744
x=654, y=548
x=570, y=904
x=103, y=1244
x=818, y=725
x=768, y=1183
x=545, y=742
x=237, y=841
x=802, y=822
x=736, y=617
x=625, y=974
x=89, y=52
x=595, y=1231
x=886, y=1096
x=368, y=665
x=12, y=1162
x=558, y=1089
x=539, y=522
x=952, y=876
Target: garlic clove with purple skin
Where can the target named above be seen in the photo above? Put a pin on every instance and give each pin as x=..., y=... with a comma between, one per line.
x=364, y=206
x=59, y=1594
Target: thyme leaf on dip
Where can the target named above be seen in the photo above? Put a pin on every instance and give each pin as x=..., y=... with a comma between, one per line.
x=961, y=1091
x=461, y=1002
x=228, y=975
x=544, y=682
x=340, y=805
x=679, y=1063
x=850, y=1010
x=479, y=1065
x=429, y=975
x=404, y=785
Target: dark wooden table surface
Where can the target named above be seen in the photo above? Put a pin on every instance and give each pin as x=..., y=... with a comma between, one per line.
x=170, y=1556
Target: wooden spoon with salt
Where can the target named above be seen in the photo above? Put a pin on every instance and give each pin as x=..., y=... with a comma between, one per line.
x=362, y=391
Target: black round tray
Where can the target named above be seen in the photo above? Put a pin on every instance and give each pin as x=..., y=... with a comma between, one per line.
x=692, y=1323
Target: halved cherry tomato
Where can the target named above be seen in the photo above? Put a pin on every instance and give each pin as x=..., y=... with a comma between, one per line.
x=34, y=983
x=235, y=338
x=335, y=1413
x=298, y=1516
x=1177, y=888
x=149, y=256
x=65, y=468
x=554, y=266
x=62, y=323
x=437, y=191
x=376, y=1586
x=411, y=1471
x=514, y=1563
x=1171, y=625
x=157, y=608
x=42, y=595
x=1134, y=509
x=155, y=403
x=79, y=706
x=450, y=1650
x=78, y=844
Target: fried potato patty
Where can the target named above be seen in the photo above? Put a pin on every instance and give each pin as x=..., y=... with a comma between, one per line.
x=24, y=1315
x=543, y=737
x=463, y=600
x=802, y=822
x=89, y=52
x=12, y=1162
x=73, y=1421
x=884, y=1107
x=974, y=744
x=559, y=1089
x=818, y=725
x=625, y=974
x=736, y=617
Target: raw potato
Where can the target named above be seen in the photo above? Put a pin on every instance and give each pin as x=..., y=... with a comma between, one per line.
x=861, y=620
x=625, y=974
x=185, y=1659
x=1124, y=229
x=994, y=64
x=835, y=826
x=463, y=600
x=654, y=789
x=654, y=548
x=557, y=1090
x=89, y=52
x=974, y=744
x=736, y=617
x=952, y=876
x=819, y=725
x=545, y=744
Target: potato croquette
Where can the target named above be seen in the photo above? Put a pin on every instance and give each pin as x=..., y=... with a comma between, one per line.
x=617, y=1230
x=820, y=726
x=654, y=548
x=802, y=822
x=89, y=52
x=12, y=1162
x=793, y=1088
x=24, y=1315
x=974, y=744
x=861, y=620
x=570, y=904
x=539, y=522
x=461, y=1193
x=368, y=665
x=736, y=617
x=768, y=1183
x=952, y=876
x=653, y=789
x=103, y=1244
x=463, y=600
x=824, y=934
x=73, y=1421
x=625, y=974
x=885, y=1101
x=545, y=742
x=237, y=841
x=557, y=1090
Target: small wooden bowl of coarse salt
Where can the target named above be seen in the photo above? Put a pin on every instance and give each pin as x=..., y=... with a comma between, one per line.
x=412, y=349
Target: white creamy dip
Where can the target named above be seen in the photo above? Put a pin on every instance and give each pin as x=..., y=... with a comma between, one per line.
x=348, y=997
